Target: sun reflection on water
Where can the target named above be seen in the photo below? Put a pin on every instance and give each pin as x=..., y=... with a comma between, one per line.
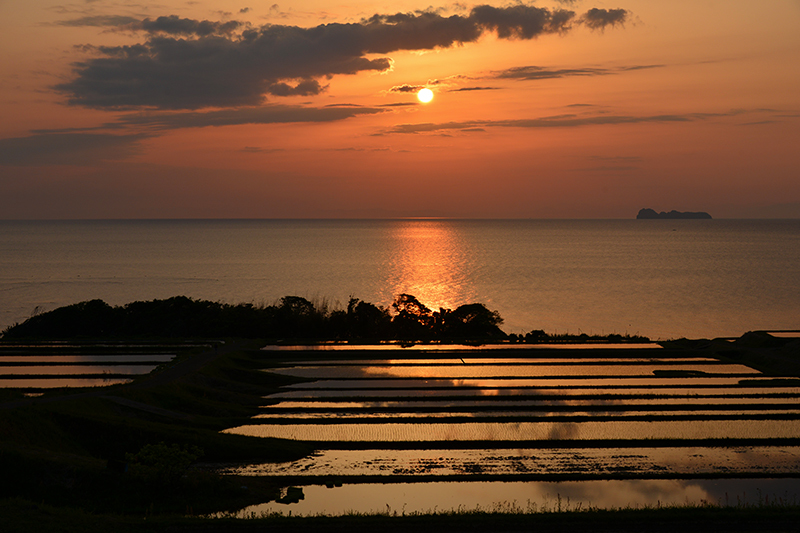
x=430, y=262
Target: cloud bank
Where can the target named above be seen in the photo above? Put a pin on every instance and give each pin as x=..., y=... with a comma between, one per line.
x=190, y=64
x=79, y=147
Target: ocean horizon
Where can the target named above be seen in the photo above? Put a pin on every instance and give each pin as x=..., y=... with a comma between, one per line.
x=658, y=278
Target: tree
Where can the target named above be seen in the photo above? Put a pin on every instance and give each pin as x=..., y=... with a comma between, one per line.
x=413, y=321
x=470, y=321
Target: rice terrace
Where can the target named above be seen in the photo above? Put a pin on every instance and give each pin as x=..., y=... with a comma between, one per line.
x=510, y=433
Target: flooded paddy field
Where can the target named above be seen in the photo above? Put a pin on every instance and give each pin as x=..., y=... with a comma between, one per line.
x=468, y=370
x=660, y=429
x=31, y=367
x=530, y=496
x=537, y=463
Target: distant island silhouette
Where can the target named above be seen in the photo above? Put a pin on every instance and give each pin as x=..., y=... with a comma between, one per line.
x=672, y=215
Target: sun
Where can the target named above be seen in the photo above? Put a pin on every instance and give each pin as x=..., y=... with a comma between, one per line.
x=425, y=95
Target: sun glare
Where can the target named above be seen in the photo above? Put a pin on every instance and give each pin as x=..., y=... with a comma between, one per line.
x=425, y=95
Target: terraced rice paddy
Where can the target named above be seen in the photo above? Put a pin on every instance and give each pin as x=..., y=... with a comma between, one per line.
x=527, y=419
x=62, y=365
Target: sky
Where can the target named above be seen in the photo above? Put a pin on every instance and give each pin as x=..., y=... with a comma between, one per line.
x=309, y=109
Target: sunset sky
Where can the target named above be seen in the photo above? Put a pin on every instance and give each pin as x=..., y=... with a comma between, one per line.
x=308, y=108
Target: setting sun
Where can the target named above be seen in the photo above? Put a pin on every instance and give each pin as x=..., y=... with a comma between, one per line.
x=425, y=95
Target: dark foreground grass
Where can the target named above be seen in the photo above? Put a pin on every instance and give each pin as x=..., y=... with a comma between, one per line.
x=25, y=516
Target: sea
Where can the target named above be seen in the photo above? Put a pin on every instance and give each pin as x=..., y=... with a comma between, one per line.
x=664, y=279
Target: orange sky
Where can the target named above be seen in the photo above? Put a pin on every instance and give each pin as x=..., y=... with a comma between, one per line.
x=570, y=109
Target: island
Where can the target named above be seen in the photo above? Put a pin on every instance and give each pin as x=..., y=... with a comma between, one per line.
x=672, y=215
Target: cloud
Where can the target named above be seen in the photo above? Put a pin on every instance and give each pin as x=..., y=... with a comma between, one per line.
x=269, y=114
x=189, y=64
x=522, y=21
x=464, y=89
x=540, y=73
x=304, y=88
x=169, y=25
x=564, y=121
x=405, y=88
x=561, y=121
x=599, y=19
x=174, y=25
x=58, y=148
x=100, y=21
x=259, y=150
x=74, y=146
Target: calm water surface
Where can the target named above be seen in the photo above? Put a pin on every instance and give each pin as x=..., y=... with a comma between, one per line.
x=532, y=496
x=615, y=462
x=466, y=371
x=525, y=431
x=663, y=279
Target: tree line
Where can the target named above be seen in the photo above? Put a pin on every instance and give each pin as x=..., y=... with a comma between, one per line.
x=292, y=317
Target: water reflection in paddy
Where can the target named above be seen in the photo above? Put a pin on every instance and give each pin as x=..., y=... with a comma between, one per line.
x=426, y=348
x=524, y=431
x=55, y=383
x=515, y=409
x=600, y=412
x=557, y=392
x=462, y=371
x=502, y=402
x=74, y=370
x=570, y=383
x=515, y=361
x=408, y=498
x=80, y=359
x=619, y=462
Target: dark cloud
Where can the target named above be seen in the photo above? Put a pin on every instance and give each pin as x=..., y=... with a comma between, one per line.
x=541, y=73
x=522, y=21
x=225, y=65
x=405, y=88
x=599, y=19
x=304, y=88
x=463, y=89
x=174, y=25
x=561, y=121
x=169, y=25
x=259, y=150
x=641, y=67
x=74, y=146
x=269, y=114
x=100, y=21
x=67, y=148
